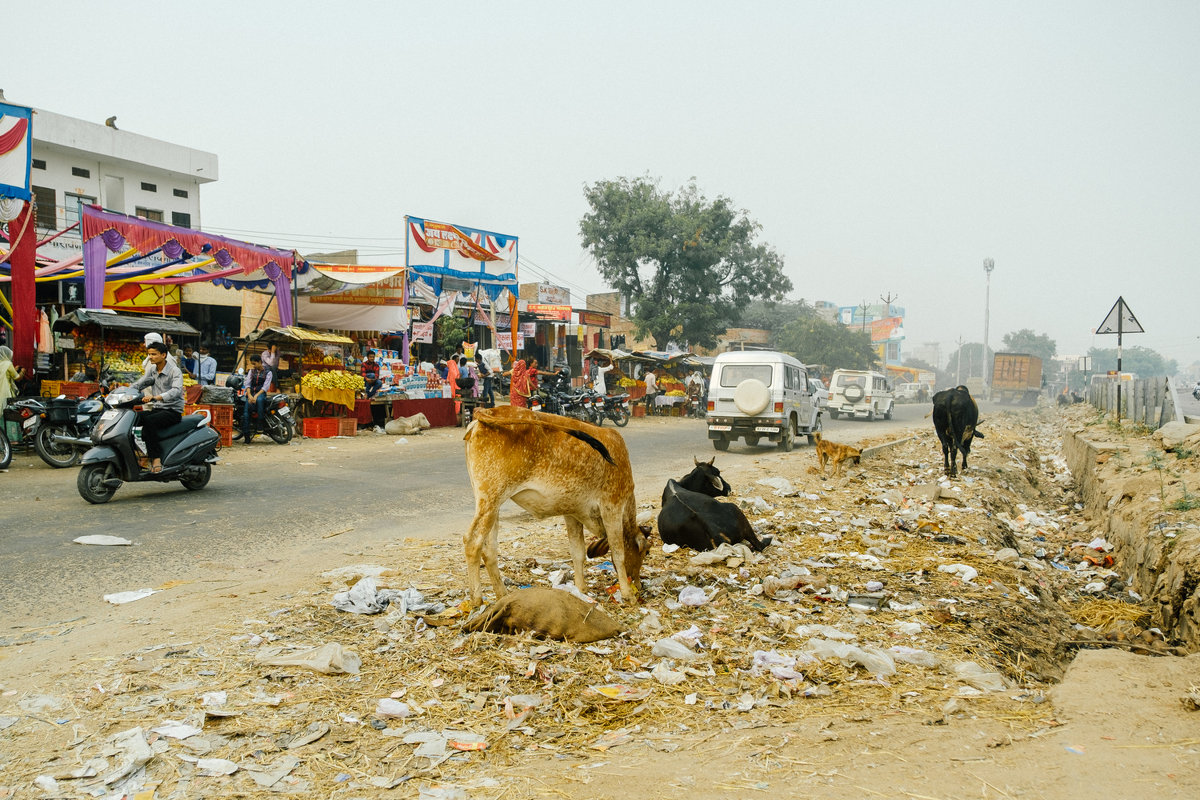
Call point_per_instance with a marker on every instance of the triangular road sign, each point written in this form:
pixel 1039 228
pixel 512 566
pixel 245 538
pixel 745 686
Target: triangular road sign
pixel 1120 314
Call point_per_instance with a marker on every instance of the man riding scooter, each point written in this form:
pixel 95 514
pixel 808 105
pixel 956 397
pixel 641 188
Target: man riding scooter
pixel 162 385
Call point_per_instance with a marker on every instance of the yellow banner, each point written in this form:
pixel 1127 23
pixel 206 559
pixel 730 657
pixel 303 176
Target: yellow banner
pixel 144 298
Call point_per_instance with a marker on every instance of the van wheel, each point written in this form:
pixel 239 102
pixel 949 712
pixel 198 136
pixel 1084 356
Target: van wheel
pixel 833 414
pixel 752 441
pixel 871 415
pixel 788 440
pixel 721 444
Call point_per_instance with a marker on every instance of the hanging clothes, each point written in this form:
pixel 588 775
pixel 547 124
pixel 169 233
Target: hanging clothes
pixel 45 342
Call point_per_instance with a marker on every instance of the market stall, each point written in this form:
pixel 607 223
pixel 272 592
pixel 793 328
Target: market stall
pixel 317 360
pixel 115 342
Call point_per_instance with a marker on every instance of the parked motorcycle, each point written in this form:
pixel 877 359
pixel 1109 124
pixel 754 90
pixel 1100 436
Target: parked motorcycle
pixel 1196 392
pixel 27 413
pixel 616 408
pixel 65 431
pixel 189 451
pixel 278 423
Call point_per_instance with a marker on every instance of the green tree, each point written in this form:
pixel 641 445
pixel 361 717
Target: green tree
pixel 689 265
pixel 451 331
pixel 1145 362
pixel 834 346
pixel 1035 344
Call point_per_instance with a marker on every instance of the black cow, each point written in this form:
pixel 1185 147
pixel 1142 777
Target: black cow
pixel 955 418
pixel 695 520
pixel 705 479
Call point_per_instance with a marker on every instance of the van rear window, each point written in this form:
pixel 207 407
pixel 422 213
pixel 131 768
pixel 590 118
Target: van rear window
pixel 733 374
pixel 851 380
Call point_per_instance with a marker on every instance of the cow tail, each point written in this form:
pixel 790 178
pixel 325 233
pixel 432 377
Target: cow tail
pixel 593 441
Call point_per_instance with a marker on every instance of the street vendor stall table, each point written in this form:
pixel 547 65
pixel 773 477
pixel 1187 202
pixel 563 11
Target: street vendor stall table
pixel 438 410
pixel 340 397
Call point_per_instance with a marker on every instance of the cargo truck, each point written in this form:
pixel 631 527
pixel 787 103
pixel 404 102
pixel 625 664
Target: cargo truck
pixel 1016 378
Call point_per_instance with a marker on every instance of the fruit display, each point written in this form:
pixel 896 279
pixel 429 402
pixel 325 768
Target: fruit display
pixel 332 379
pixel 314 356
pixel 120 363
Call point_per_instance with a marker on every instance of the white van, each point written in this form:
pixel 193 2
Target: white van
pixel 860 393
pixel 760 394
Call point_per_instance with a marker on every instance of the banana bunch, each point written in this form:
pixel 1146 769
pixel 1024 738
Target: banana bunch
pixel 332 379
pixel 121 364
pixel 676 393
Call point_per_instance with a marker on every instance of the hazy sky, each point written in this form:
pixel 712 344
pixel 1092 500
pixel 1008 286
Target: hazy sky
pixel 884 147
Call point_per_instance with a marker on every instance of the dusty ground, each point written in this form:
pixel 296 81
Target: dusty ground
pixel 796 723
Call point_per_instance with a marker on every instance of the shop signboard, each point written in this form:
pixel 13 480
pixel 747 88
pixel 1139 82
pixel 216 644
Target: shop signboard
pixel 596 319
pixel 504 341
pixel 438 250
pixel 886 328
pixel 528 329
pixel 16 142
pixel 549 294
pixel 143 298
pixel 548 311
pixel 423 332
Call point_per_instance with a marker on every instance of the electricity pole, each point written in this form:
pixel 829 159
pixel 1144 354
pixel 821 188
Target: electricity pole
pixel 863 307
pixel 988 266
pixel 958 363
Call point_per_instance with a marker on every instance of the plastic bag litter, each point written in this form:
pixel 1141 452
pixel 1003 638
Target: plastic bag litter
pixel 828 631
pixel 872 659
pixel 99 538
pixel 132 752
pixel 779 665
pixel 972 674
pixel 912 655
pixel 673 648
pixel 175 729
pixel 667 676
pixel 689 636
pixel 756 504
pixel 725 552
pixel 387 708
pixel 782 486
pixel 366 598
pixel 692 596
pixel 331 659
pixel 128 597
pixel 1006 554
pixel 966 573
pixel 909 628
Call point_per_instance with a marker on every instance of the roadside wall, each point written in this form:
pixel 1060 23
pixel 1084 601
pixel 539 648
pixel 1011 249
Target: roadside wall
pixel 1149 401
pixel 1157 549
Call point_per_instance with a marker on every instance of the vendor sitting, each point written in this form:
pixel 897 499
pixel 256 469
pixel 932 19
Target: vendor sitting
pixel 258 383
pixel 370 375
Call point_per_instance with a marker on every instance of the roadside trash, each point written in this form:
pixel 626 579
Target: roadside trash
pixel 1007 554
pixel 667 676
pixel 874 586
pixel 692 596
pixel 673 648
pixel 443 792
pixel 267 775
pixel 782 486
pixel 620 691
pixel 911 655
pixel 965 573
pixel 387 708
pixel 175 729
pixel 733 555
pixel 612 739
pixel 826 631
pixel 132 751
pixel 974 675
pixel 909 628
pixel 866 602
pixel 547 612
pixel 872 659
pixel 211 767
pixel 120 598
pixel 756 504
pixel 780 666
pixel 366 598
pixel 99 538
pixel 331 659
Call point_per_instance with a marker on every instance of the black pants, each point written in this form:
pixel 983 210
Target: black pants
pixel 153 421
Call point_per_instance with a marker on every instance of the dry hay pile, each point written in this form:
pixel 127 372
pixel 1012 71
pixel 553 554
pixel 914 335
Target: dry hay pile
pixel 762 648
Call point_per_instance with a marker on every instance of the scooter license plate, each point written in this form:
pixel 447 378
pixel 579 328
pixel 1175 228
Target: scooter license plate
pixel 29 423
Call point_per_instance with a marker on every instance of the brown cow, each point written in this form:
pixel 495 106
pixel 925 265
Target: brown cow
pixel 550 466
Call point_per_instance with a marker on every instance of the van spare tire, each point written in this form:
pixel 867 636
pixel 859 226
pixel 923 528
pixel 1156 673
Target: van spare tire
pixel 854 392
pixel 751 397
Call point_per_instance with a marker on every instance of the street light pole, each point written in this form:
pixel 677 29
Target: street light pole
pixel 988 266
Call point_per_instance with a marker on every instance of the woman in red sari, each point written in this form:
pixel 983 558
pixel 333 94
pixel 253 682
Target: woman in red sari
pixel 519 390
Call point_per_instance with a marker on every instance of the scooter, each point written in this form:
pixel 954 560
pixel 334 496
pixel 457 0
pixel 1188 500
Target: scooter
pixel 278 424
pixel 1196 392
pixel 189 451
pixel 65 432
pixel 28 413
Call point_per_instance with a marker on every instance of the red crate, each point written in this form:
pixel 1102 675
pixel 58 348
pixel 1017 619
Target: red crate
pixel 226 437
pixel 320 427
pixel 347 426
pixel 222 414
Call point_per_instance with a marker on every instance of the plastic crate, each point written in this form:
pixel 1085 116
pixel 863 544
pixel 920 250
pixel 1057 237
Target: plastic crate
pixel 78 389
pixel 226 437
pixel 347 426
pixel 52 388
pixel 320 427
pixel 638 410
pixel 222 414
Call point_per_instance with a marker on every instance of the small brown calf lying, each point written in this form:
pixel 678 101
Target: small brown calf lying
pixel 837 453
pixel 551 613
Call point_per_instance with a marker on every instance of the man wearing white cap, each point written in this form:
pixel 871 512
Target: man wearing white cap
pixel 147 339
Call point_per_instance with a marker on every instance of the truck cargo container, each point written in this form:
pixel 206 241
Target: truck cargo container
pixel 1016 378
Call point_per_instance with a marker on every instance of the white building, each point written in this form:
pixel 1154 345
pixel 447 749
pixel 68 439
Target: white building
pixel 76 161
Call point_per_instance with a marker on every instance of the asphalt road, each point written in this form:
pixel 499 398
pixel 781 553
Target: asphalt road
pixel 310 502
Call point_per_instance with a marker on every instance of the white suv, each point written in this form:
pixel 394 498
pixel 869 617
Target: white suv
pixel 860 394
pixel 760 394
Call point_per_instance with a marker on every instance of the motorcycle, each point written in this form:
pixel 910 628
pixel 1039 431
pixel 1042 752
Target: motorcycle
pixel 5 450
pixel 65 431
pixel 1196 392
pixel 278 423
pixel 27 413
pixel 616 408
pixel 189 451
